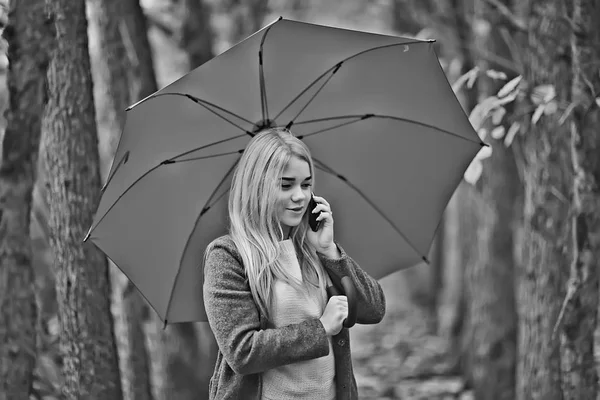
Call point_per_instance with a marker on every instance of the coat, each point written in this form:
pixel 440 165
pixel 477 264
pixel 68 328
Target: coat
pixel 247 347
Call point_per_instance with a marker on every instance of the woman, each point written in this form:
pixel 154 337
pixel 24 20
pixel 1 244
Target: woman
pixel 278 334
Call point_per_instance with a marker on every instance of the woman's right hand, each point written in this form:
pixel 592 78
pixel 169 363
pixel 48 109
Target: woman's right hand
pixel 335 313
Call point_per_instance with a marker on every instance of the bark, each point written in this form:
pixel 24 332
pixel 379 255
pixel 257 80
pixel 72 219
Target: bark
pixel 168 362
pixel 139 53
pixel 176 359
pixel 69 153
pixel 28 60
pixel 436 279
pixel 247 17
pixel 458 326
pixel 113 74
pixel 136 385
pixel 548 186
pixel 490 279
pixel 580 380
pixel 196 33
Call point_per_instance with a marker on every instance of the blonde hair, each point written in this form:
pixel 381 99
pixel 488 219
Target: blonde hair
pixel 254 225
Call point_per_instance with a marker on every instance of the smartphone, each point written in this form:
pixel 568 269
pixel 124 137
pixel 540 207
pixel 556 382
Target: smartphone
pixel 312 217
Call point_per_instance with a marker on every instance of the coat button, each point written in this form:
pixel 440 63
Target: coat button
pixel 341 342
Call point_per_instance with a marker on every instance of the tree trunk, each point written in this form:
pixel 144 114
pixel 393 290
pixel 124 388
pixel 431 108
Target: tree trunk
pixel 548 186
pixel 247 17
pixel 490 279
pixel 196 32
pixel 69 152
pixel 28 60
pixel 113 73
pixel 173 353
pixel 139 53
pixel 580 380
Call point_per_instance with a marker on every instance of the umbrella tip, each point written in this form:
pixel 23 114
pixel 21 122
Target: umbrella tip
pixel 165 325
pixel 484 144
pixel 87 236
pixel 431 40
pixel 280 18
pixel 426 260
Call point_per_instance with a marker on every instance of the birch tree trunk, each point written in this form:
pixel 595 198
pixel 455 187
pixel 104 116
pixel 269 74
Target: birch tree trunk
pixel 69 153
pixel 28 59
pixel 580 380
pixel 548 187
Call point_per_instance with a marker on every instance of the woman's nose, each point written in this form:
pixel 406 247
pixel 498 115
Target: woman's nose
pixel 298 195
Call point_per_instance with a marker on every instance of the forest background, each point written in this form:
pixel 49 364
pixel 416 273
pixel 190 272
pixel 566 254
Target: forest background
pixel 508 307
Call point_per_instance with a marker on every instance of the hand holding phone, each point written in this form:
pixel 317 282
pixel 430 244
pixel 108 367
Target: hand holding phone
pixel 312 217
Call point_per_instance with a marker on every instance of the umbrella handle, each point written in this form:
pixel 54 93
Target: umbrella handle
pixel 350 292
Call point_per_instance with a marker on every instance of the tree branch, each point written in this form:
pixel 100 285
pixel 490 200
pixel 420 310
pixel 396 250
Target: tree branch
pixel 514 21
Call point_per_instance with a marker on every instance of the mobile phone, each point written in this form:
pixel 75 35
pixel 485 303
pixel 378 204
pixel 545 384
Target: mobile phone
pixel 312 217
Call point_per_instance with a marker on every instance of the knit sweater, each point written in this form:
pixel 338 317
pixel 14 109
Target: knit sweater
pixel 310 379
pixel 248 348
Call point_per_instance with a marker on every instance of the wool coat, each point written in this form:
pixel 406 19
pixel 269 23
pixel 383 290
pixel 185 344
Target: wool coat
pixel 247 347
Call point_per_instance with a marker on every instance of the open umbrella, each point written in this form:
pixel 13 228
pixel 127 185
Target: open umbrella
pixel 389 139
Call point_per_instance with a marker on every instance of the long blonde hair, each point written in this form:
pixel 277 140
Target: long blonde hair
pixel 254 225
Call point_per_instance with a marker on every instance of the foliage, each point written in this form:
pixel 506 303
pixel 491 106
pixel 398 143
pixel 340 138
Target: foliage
pixel 490 116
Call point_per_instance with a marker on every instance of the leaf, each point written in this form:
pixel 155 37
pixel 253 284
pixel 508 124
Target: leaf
pixel 482 133
pixel 473 172
pixel 537 114
pixel 472 77
pixel 498 132
pixel 510 86
pixel 543 94
pixel 481 111
pixel 467 76
pixel 484 152
pixel 550 108
pixel 498 115
pixel 510 135
pixel 496 75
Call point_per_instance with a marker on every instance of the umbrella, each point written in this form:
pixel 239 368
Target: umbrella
pixel 389 138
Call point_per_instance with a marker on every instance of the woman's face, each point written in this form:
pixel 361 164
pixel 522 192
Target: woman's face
pixel 294 194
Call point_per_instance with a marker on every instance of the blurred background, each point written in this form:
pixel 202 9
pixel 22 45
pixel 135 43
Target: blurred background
pixel 508 303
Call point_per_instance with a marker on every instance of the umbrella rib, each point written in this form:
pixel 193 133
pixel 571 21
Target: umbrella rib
pixel 187 243
pixel 330 171
pixel 206 104
pixel 166 162
pixel 367 116
pixel 336 67
pixel 264 106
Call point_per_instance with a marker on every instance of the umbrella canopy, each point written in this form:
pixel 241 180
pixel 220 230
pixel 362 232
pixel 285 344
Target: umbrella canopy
pixel 389 139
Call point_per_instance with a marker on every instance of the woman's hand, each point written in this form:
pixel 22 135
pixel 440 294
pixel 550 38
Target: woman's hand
pixel 334 315
pixel 322 239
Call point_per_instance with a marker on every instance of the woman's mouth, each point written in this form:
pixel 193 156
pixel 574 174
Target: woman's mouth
pixel 296 209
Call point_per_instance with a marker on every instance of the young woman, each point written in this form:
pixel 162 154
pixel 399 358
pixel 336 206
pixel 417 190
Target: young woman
pixel 279 335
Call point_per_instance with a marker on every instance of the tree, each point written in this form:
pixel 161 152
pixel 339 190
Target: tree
pixel 579 319
pixel 196 33
pixel 28 59
pixel 69 153
pixel 490 277
pixel 112 71
pixel 548 186
pixel 139 53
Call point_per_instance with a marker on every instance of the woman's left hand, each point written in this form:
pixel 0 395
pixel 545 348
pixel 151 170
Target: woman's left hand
pixel 322 239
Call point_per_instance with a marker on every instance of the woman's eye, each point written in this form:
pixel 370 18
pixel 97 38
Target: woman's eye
pixel 286 186
pixel 307 185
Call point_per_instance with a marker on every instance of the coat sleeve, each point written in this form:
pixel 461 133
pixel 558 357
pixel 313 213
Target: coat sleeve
pixel 235 322
pixel 370 307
